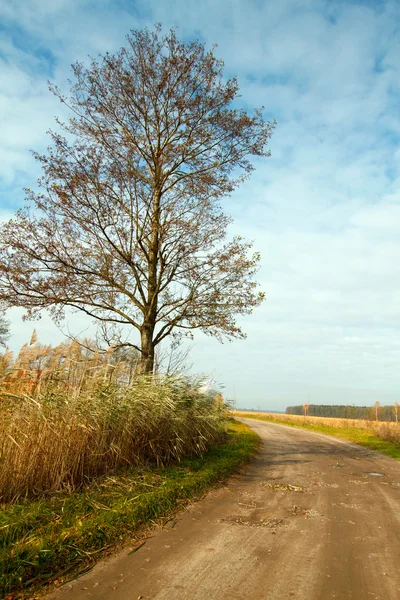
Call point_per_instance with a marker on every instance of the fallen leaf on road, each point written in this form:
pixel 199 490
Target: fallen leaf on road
pixel 287 487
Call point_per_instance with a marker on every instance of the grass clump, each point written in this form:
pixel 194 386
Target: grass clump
pixel 381 437
pixel 50 538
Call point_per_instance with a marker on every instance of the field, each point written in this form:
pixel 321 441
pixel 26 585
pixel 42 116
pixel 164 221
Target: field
pixel 383 437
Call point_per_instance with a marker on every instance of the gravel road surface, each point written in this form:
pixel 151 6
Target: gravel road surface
pixel 312 518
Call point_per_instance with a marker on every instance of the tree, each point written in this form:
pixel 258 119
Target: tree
pixel 396 411
pixel 4 330
pixel 377 410
pixel 126 224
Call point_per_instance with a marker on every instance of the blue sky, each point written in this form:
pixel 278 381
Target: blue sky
pixel 324 210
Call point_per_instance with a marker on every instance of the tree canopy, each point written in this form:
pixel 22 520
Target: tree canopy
pixel 341 411
pixel 127 225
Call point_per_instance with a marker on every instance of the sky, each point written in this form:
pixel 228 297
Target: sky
pixel 323 210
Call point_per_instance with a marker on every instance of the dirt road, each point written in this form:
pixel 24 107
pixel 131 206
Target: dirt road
pixel 311 518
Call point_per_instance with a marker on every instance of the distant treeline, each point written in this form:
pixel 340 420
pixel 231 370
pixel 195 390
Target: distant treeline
pixel 382 413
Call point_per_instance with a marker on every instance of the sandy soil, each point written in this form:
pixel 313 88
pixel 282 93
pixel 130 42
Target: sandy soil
pixel 311 518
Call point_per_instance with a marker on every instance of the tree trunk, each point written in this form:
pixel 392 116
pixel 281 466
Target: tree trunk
pixel 146 364
pixel 149 323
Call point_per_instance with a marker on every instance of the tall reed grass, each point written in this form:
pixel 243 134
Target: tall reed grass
pixel 71 427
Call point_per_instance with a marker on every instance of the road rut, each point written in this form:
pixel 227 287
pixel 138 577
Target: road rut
pixel 311 518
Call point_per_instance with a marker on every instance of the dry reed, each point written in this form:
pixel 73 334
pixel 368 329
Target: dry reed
pixel 87 421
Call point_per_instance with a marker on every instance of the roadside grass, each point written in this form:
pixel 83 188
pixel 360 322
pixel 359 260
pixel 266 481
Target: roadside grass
pixel 362 433
pixel 57 537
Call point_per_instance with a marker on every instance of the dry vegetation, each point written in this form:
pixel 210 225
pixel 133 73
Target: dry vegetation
pixel 389 431
pixel 72 413
pixel 57 537
pixel 91 453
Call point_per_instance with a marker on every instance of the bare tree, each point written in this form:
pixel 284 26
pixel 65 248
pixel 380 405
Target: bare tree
pixel 396 411
pixel 127 225
pixel 4 329
pixel 174 359
pixel 377 410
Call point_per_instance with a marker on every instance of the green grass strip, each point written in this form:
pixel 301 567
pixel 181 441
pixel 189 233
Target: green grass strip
pixel 51 538
pixel 362 437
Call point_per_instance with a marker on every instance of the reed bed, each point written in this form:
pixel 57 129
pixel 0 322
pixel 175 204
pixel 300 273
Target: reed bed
pixel 76 423
pixel 57 537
